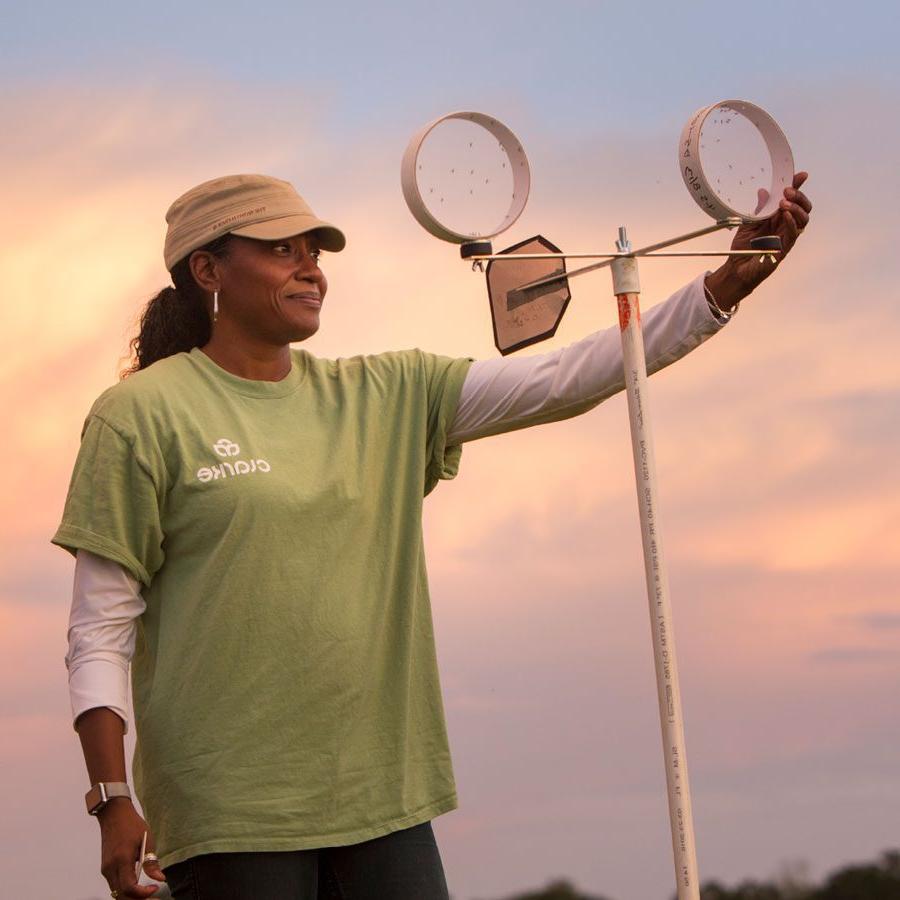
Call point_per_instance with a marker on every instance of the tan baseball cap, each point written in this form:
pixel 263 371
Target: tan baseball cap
pixel 253 206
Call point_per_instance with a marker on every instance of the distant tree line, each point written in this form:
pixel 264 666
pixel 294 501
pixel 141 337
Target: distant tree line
pixel 868 881
pixel 879 880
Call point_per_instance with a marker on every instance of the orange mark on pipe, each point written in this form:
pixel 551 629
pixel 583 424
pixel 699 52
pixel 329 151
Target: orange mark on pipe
pixel 624 302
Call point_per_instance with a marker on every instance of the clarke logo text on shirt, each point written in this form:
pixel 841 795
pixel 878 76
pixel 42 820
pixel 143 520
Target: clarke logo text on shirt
pixel 226 447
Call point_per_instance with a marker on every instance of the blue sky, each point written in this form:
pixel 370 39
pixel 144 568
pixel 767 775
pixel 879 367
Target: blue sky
pixel 578 65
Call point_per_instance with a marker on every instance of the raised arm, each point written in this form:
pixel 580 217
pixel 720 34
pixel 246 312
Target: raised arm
pixel 506 394
pixel 509 393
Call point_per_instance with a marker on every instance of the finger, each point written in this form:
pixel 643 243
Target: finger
pixel 791 228
pixel 128 885
pixel 151 866
pixel 762 197
pixel 799 198
pixel 152 870
pixel 140 891
pixel 799 178
pixel 800 215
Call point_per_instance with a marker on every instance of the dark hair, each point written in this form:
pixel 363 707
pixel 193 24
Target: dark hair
pixel 177 318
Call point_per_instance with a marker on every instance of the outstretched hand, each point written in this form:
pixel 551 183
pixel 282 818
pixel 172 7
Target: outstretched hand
pixel 737 277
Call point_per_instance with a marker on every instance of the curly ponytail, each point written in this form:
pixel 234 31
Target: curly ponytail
pixel 177 319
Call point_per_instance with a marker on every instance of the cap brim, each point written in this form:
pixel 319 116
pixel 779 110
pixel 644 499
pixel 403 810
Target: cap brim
pixel 330 238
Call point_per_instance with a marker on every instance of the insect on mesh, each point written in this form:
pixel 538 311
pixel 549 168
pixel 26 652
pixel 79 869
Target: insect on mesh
pixel 737 162
pixel 465 177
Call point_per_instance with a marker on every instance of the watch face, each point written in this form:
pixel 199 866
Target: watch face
pixel 95 799
pixel 101 793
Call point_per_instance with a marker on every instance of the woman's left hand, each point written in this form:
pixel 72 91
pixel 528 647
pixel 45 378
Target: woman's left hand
pixel 739 275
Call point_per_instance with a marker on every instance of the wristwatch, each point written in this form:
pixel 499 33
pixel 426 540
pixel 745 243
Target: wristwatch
pixel 101 793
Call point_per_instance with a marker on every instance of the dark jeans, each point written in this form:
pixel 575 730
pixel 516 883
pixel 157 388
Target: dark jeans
pixel 403 865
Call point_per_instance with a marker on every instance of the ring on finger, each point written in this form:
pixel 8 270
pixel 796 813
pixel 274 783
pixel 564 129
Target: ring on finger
pixel 150 857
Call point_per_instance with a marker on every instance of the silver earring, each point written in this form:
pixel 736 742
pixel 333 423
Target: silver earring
pixel 215 305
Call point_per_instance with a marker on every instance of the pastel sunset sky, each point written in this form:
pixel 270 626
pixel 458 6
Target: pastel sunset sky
pixel 777 441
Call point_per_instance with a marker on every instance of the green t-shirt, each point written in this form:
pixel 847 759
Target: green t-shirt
pixel 285 682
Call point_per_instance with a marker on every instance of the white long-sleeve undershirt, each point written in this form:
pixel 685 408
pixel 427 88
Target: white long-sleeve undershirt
pixel 498 395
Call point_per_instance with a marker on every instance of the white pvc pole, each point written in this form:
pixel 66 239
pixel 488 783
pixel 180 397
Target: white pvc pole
pixel 627 288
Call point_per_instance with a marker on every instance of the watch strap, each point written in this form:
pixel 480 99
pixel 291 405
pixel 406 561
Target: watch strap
pixel 101 793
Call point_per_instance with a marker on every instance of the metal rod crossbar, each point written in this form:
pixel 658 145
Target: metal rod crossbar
pixel 611 256
pixel 608 259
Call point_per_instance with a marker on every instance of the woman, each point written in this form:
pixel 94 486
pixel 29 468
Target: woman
pixel 246 520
